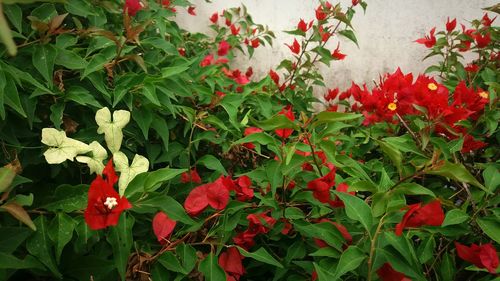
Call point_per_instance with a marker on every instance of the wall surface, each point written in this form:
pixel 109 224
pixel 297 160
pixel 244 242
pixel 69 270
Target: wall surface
pixel 385 33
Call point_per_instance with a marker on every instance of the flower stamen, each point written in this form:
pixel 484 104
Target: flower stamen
pixel 110 202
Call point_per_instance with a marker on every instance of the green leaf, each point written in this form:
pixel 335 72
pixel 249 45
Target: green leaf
pixel 70 59
pixel 326 117
pixel 11 97
pixel 39 246
pixel 411 188
pixel 491 177
pixel 349 261
pixel 212 163
pixel 456 172
pixel 356 209
pixel 490 226
pixel 6 35
pixel 112 129
pixel 96 63
pixel 68 198
pixel 349 34
pixel 79 7
pixel 81 96
pixel 120 238
pixel 173 70
pixel 261 255
pixel 61 148
pixel 127 173
pixel 187 256
pixel 12 237
pixel 7 175
pixel 323 274
pixel 44 57
pixel 393 153
pixel 8 261
pixel 455 216
pixel 278 121
pixel 143 117
pixel 157 178
pixel 294 213
pixel 211 269
pixel 61 232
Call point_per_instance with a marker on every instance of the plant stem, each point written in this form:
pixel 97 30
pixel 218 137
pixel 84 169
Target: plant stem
pixel 373 246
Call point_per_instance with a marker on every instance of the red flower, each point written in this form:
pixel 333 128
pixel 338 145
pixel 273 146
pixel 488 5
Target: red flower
pixel 355 2
pixel 275 77
pixel 230 261
pixel 288 112
pixel 428 41
pixel 486 21
pixel 325 35
pixel 295 47
pixel 249 72
pixel 182 51
pixel 471 67
pixel 303 26
pixel 104 204
pixel 484 256
pixel 418 215
pixel 214 18
pixel 207 60
pixel 191 10
pixel 387 273
pixel 214 194
pixel 234 30
pixel 257 224
pixel 332 94
pixel 248 131
pixel 223 48
pixel 163 226
pixel 321 186
pixel 450 25
pixel 337 54
pixel 132 7
pixel 255 43
pixel 191 176
pixel 482 41
pixel 320 13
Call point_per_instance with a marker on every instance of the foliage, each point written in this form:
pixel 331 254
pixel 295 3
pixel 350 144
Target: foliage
pixel 134 150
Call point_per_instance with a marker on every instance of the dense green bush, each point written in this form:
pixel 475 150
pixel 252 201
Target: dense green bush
pixel 134 150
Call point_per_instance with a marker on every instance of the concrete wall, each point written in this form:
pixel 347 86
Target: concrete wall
pixel 385 33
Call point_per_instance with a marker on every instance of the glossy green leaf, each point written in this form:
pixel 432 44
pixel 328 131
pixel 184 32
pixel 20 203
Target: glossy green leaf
pixel 40 246
pixel 44 57
pixel 456 172
pixel 61 232
pixel 211 269
pixel 212 163
pixel 455 216
pixel 120 238
pixel 490 226
pixel 350 260
pixel 261 255
pixel 357 209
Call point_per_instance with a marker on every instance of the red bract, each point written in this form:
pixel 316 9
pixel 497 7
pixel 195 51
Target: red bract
pixel 230 261
pixel 234 30
pixel 248 131
pixel 303 26
pixel 295 47
pixel 257 224
pixel 387 273
pixel 288 112
pixel 482 40
pixel 223 48
pixel 428 41
pixel 163 226
pixel 191 176
pixel 132 7
pixel 486 21
pixel 450 25
pixel 255 43
pixel 214 18
pixel 355 2
pixel 332 94
pixel 431 214
pixel 320 13
pixel 214 194
pixel 484 256
pixel 207 60
pixel 325 35
pixel 191 10
pixel 337 54
pixel 104 205
pixel 275 77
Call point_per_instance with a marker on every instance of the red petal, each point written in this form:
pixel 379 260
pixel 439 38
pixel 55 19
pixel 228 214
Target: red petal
pixel 109 173
pixel 197 200
pixel 163 226
pixel 217 194
pixel 230 261
pixel 387 273
pixel 489 257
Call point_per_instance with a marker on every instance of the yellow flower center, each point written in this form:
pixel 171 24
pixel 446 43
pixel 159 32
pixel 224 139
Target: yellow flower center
pixel 392 106
pixel 484 94
pixel 432 86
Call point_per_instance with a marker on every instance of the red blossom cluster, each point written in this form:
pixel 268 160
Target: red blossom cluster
pixel 217 194
pixel 419 215
pixel 230 261
pixel 398 96
pixel 287 111
pixel 480 36
pixel 104 205
pixel 259 223
pixel 483 256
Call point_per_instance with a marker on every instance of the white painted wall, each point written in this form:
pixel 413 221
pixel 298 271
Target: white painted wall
pixel 385 33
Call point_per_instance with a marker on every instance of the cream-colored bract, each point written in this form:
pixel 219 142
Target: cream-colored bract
pixel 94 161
pixel 112 129
pixel 61 148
